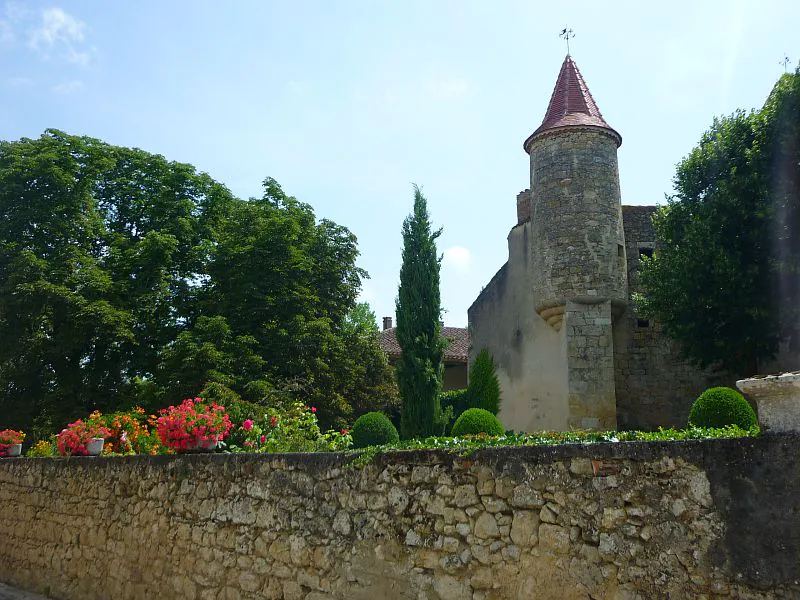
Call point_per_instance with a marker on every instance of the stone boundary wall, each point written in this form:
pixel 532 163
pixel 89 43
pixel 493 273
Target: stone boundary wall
pixel 621 521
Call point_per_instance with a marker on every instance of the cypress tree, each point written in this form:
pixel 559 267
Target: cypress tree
pixel 484 388
pixel 419 370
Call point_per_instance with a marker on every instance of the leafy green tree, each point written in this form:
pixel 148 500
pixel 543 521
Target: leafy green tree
pixel 419 370
pixel 724 278
pixel 207 353
pixel 483 390
pixel 362 366
pixel 126 278
pixel 277 274
pixel 59 326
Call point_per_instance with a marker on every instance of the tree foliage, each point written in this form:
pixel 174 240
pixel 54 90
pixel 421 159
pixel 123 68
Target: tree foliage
pixel 724 281
pixel 484 388
pixel 418 306
pixel 126 278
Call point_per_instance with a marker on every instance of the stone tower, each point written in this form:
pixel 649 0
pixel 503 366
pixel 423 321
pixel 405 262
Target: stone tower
pixel 577 241
pixel 578 245
pixel 548 314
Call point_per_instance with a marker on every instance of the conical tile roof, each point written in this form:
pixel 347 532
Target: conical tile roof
pixel 571 105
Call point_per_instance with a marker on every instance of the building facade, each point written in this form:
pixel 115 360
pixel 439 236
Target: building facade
pixel 456 353
pixel 570 351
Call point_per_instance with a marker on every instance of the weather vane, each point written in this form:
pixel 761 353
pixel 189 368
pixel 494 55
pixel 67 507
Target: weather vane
pixel 566 33
pixel 785 63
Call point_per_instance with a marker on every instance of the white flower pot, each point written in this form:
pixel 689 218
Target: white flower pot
pixel 95 446
pixel 14 450
pixel 206 444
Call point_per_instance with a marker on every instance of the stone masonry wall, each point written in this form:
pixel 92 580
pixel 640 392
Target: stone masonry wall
pixel 590 364
pixel 655 386
pixel 619 521
pixel 576 223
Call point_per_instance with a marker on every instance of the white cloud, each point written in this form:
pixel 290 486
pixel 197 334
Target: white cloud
pixel 19 82
pixel 458 258
pixel 16 11
pixel 68 87
pixel 6 33
pixel 367 293
pixel 296 87
pixel 449 89
pixel 60 32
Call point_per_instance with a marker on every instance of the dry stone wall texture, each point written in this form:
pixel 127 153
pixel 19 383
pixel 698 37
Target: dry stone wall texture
pixel 621 521
pixel 576 221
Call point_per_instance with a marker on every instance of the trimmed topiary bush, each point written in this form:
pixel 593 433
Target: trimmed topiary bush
pixel 721 406
pixel 373 429
pixel 475 421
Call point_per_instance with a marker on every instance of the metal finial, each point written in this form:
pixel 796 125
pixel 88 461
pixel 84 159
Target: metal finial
pixel 785 63
pixel 566 33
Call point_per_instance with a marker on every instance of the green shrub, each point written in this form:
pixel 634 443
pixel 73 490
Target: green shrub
pixel 484 388
pixel 475 421
pixel 373 429
pixel 721 406
pixel 453 404
pixel 43 448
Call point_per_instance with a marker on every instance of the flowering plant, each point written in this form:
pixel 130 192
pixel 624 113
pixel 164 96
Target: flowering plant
pixel 192 424
pixel 43 448
pixel 8 438
pixel 131 432
pixel 295 429
pixel 72 441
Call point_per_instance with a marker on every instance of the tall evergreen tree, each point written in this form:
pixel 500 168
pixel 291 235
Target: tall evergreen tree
pixel 484 387
pixel 419 370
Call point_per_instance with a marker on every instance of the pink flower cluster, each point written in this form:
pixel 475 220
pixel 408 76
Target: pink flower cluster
pixel 193 424
pixel 72 441
pixel 8 438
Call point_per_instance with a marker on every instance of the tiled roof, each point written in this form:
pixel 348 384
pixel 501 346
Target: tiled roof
pixel 457 349
pixel 571 105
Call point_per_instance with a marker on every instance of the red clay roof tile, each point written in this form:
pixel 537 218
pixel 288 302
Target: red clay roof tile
pixel 571 104
pixel 457 349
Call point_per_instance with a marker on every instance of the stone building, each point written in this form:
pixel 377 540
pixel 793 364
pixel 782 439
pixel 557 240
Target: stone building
pixel 570 351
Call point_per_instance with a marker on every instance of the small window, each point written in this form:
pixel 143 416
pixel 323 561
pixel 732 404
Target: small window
pixel 642 323
pixel 648 252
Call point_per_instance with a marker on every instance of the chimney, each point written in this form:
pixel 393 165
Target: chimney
pixel 523 207
pixel 387 323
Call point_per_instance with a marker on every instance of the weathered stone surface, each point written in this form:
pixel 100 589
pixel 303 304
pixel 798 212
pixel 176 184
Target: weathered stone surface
pixel 525 528
pixel 715 518
pixel 486 526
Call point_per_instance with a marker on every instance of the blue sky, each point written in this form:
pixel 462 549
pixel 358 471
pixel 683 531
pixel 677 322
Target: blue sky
pixel 347 103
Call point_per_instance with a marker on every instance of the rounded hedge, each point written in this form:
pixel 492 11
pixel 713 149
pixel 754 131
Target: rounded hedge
pixel 373 429
pixel 475 421
pixel 721 406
